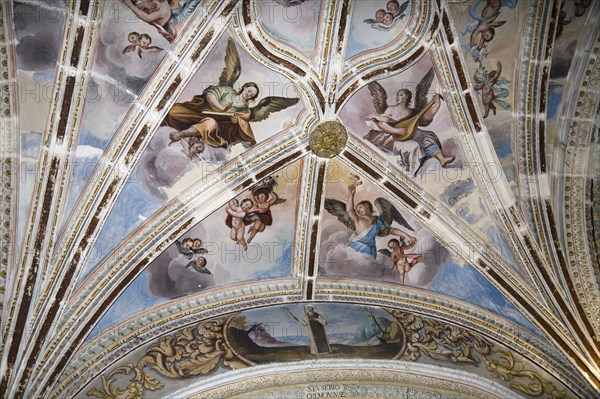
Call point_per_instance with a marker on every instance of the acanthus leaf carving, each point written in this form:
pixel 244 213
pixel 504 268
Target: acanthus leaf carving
pixel 195 351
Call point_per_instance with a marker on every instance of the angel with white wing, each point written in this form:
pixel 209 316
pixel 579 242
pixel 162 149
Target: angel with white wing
pixel 220 117
pixel 399 122
pixel 365 225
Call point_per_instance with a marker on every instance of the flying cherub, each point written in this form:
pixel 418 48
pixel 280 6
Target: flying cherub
pixel 385 18
pixel 365 224
pixel 487 24
pixel 258 209
pixel 486 83
pixel 163 14
pixel 235 221
pixel 400 262
pixel 192 148
pixel 190 247
pixel 199 265
pixel 221 115
pixel 140 43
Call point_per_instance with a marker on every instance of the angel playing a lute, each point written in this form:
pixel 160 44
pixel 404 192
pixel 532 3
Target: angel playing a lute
pixel 399 122
pixel 221 115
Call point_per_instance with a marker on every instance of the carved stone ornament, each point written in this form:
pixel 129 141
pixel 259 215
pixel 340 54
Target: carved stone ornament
pixel 328 139
pixel 198 351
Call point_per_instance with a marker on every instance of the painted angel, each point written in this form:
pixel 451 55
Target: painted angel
pixel 258 209
pixel 199 265
pixel 399 122
pixel 140 43
pixel 163 14
pixel 487 83
pixel 482 31
pixel 400 261
pixel 367 226
pixel 220 117
pixel 386 18
pixel 190 247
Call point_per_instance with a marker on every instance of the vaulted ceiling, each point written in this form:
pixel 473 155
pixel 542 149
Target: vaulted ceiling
pixel 403 202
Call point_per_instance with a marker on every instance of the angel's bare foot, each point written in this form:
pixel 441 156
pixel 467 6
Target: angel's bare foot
pixel 252 232
pixel 414 262
pixel 447 161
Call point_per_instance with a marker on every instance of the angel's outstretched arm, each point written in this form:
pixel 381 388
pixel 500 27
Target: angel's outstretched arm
pixel 273 197
pixel 408 239
pixel 350 203
pixel 493 80
pixel 430 114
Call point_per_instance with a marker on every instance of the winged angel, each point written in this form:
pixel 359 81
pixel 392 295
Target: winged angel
pixel 140 43
pixel 365 225
pixel 221 115
pixel 399 123
pixel 163 14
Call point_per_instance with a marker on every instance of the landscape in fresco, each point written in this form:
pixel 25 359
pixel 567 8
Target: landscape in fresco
pixel 315 331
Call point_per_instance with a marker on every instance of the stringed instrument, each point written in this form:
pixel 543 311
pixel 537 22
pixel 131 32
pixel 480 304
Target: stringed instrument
pixel 411 124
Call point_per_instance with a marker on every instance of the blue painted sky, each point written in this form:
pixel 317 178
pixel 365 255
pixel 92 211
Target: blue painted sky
pixel 467 284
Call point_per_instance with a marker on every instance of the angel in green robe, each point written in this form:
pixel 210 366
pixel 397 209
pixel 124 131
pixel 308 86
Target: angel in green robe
pixel 221 115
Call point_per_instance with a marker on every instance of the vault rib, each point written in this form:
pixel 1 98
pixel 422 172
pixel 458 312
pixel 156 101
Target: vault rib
pixel 54 292
pixel 56 153
pixel 549 287
pixel 531 121
pixel 572 160
pixel 9 161
pixel 124 264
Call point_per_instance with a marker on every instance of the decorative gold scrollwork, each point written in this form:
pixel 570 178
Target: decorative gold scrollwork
pixel 502 365
pixel 440 341
pixel 199 350
pixel 187 353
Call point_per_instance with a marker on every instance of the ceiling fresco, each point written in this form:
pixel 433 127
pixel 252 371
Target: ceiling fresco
pixel 300 198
